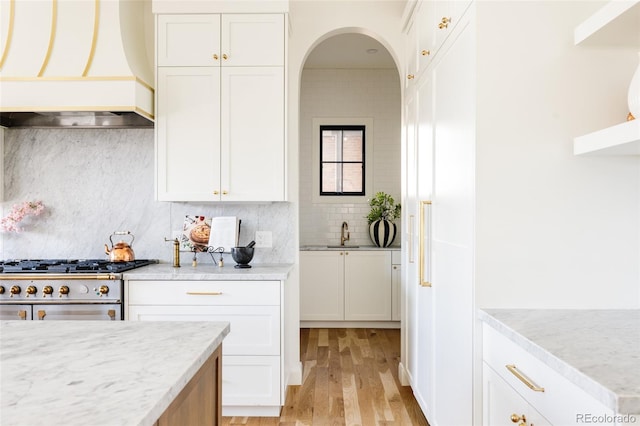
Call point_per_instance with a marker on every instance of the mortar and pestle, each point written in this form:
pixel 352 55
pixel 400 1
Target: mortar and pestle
pixel 243 255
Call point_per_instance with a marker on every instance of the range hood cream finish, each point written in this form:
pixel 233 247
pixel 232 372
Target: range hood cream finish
pixel 79 63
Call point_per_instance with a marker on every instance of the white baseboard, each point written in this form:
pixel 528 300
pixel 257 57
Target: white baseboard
pixel 294 377
pixel 249 411
pixel 403 376
pixel 349 324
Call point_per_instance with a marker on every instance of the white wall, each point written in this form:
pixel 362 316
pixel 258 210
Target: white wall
pixel 348 93
pixel 554 230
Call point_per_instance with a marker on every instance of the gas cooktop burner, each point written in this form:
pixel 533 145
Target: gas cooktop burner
pixel 69 266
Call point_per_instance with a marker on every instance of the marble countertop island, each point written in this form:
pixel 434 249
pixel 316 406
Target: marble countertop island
pixel 210 272
pixel 98 372
pixel 597 350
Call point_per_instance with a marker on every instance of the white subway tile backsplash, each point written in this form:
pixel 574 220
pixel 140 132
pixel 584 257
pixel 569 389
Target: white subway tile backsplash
pixel 349 93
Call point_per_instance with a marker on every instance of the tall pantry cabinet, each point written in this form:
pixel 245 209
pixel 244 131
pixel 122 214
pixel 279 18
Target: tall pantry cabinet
pixel 220 107
pixel 491 99
pixel 439 168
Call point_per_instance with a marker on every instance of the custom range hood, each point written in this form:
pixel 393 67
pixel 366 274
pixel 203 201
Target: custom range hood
pixel 76 63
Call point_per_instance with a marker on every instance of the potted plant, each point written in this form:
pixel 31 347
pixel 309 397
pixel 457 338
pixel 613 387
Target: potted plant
pixel 384 211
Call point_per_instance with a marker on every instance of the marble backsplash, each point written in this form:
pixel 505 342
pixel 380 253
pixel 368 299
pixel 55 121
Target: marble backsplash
pixel 95 182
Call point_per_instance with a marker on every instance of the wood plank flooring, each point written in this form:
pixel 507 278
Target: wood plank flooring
pixel 350 377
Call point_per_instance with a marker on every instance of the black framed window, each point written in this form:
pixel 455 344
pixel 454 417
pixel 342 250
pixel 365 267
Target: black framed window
pixel 342 160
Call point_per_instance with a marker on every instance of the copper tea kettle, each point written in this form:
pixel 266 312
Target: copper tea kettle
pixel 121 251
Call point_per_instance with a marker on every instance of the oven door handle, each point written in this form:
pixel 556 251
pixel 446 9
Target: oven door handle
pixel 49 277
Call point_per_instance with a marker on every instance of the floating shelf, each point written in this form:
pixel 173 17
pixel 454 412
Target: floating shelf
pixel 621 139
pixel 615 24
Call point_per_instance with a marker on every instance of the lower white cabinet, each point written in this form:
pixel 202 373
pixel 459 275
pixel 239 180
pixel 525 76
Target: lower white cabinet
pixel 252 362
pixel 396 273
pixel 503 406
pixel 346 285
pixel 517 383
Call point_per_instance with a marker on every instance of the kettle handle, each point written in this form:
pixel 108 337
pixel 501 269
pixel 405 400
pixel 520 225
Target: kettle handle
pixel 122 233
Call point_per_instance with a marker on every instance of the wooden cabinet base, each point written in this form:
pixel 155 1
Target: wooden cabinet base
pixel 200 402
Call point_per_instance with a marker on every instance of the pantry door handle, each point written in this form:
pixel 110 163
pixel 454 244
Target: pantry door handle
pixel 523 378
pixel 204 293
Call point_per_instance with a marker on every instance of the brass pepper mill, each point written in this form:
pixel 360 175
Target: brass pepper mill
pixel 176 252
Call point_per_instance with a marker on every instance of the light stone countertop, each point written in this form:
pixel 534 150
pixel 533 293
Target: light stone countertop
pixel 98 372
pixel 327 247
pixel 597 350
pixel 209 272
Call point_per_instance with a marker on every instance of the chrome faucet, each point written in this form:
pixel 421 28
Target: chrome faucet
pixel 345 227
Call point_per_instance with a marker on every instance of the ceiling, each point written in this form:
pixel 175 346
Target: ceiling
pixel 350 51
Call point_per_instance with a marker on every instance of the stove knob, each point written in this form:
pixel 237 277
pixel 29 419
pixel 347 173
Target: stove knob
pixel 15 289
pixel 1 289
pixel 47 289
pixel 31 290
pixel 103 289
pixel 63 290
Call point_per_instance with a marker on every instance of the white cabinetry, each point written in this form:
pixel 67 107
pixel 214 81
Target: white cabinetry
pixel 252 361
pixel 503 406
pixel 517 383
pixel 440 168
pixel 396 286
pixel 348 285
pixel 220 107
pixel 616 23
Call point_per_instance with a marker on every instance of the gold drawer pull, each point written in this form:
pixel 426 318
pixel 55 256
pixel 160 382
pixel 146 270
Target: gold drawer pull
pixel 204 293
pixel 523 378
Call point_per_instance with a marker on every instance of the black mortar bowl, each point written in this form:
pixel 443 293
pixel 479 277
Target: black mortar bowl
pixel 242 256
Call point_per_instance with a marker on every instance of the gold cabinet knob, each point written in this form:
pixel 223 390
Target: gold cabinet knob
pixel 411 76
pixel 425 52
pixel 103 289
pixel 63 289
pixel 225 192
pixel 521 420
pixel 47 289
pixel 216 192
pixel 444 23
pixel 31 290
pixel 215 56
pixel 15 289
pixel 224 56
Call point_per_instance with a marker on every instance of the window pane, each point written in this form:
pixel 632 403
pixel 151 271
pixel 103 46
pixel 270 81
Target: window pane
pixel 352 145
pixel 330 178
pixel 330 145
pixel 352 177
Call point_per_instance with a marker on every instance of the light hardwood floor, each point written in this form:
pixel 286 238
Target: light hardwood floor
pixel 350 377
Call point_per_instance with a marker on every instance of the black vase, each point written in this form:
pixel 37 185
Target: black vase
pixel 382 232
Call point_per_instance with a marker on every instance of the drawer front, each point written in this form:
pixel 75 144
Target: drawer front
pixel 250 380
pixel 561 402
pixel 254 330
pixel 502 404
pixel 194 293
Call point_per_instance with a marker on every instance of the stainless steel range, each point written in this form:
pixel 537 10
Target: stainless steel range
pixel 63 289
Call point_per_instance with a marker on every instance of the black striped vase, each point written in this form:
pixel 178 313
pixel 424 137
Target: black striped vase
pixel 382 232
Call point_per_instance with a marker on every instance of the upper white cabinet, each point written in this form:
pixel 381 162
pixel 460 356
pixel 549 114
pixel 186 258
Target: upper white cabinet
pixel 617 24
pixel 220 107
pixel 433 22
pixel 188 40
pixel 221 40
